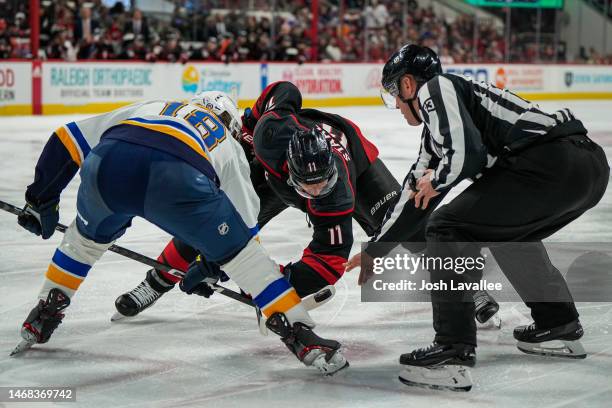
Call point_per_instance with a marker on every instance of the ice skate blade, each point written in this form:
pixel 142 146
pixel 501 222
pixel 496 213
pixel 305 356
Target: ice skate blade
pixel 494 323
pixel 336 371
pixel 441 378
pixel 554 348
pixel 335 364
pixel 118 316
pixel 21 347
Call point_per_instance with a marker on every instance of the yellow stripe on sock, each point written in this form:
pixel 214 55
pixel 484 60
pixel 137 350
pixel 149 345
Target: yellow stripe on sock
pixel 283 304
pixel 69 144
pixel 61 278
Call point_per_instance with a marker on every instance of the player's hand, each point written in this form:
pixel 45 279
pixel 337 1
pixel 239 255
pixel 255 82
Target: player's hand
pixel 246 135
pixel 248 126
pixel 200 275
pixel 365 262
pixel 40 219
pixel 352 263
pixel 425 191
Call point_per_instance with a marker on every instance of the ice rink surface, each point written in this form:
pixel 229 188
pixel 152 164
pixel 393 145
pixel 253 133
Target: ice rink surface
pixel 189 351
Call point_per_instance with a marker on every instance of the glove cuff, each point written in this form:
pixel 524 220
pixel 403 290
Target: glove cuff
pixel 39 204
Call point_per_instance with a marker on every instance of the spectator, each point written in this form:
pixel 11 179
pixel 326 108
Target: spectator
pixel 84 26
pixel 333 51
pixel 219 25
pixel 5 41
pixel 211 53
pixel 376 15
pixel 138 26
pixel 200 30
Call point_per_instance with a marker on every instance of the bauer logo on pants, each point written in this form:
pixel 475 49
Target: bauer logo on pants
pixel 223 228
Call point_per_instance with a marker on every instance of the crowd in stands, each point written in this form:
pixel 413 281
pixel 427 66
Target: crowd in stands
pixel 602 5
pixel 251 30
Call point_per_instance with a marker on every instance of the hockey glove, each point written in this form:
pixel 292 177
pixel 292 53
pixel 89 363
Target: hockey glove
pixel 248 123
pixel 200 275
pixel 40 219
pixel 246 135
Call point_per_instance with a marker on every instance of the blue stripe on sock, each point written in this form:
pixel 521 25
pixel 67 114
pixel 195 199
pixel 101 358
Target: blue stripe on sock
pixel 271 292
pixel 68 264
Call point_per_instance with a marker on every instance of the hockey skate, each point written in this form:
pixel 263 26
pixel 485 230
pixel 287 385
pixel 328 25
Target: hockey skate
pixel 312 350
pixel 43 320
pixel 561 341
pixel 142 296
pixel 486 311
pixel 439 367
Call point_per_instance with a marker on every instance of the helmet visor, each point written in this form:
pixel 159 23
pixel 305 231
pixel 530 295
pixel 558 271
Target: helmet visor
pixel 388 98
pixel 306 192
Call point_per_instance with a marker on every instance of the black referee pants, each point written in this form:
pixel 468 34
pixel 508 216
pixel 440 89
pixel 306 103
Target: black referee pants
pixel 523 198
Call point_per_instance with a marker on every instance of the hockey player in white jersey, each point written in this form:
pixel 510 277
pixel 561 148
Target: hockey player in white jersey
pixel 167 162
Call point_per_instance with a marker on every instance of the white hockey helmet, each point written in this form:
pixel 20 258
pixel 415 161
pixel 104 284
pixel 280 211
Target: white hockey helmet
pixel 222 105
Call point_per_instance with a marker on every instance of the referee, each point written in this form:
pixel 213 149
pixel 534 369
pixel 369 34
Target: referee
pixel 533 172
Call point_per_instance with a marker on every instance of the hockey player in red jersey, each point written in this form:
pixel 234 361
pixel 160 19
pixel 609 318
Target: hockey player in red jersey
pixel 362 189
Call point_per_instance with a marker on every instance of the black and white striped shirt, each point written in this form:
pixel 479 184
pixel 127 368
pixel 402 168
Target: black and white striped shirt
pixel 468 125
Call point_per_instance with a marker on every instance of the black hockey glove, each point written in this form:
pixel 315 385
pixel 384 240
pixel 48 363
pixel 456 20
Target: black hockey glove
pixel 200 274
pixel 40 219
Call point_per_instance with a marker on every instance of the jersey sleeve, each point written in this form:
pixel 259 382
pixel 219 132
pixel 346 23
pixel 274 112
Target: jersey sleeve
pixel 66 150
pixel 427 158
pixel 463 154
pixel 56 166
pixel 281 95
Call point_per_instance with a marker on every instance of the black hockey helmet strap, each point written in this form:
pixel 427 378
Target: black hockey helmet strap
pixel 408 101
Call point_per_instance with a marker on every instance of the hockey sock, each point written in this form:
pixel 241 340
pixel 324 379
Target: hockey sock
pixel 71 262
pixel 171 256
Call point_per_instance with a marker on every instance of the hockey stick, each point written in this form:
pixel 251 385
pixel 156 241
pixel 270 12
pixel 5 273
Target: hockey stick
pixel 143 259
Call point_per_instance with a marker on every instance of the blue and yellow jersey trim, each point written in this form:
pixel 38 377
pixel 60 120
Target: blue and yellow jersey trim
pixel 173 129
pixel 73 140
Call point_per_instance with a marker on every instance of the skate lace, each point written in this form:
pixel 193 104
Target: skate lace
pixel 144 294
pixel 425 350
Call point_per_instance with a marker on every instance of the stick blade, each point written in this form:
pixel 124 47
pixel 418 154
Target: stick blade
pixel 319 298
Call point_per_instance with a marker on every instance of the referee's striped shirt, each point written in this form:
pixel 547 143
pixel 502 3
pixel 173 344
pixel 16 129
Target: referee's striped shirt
pixel 468 125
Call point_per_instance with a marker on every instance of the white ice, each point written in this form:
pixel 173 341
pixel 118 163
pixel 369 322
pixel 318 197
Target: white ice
pixel 190 351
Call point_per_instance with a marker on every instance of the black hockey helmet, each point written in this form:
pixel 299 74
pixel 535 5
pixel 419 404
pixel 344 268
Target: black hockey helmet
pixel 310 161
pixel 421 62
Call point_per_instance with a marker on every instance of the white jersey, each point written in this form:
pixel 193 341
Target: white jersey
pixel 183 129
